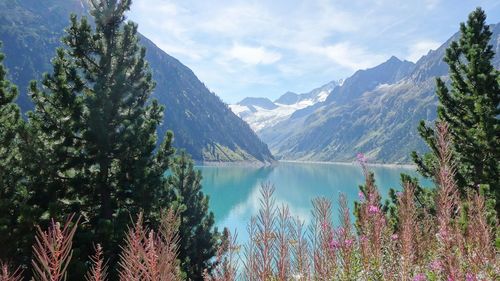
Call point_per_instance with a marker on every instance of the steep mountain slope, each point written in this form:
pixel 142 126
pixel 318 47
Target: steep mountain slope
pixel 376 111
pixel 261 113
pixel 202 123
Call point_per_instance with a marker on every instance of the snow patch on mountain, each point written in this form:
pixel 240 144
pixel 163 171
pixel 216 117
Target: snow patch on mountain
pixel 259 117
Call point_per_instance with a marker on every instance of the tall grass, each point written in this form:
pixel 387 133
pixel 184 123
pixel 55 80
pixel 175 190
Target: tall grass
pixel 226 260
pixel 282 247
pixel 146 255
pixel 6 274
pixel 149 255
pixel 99 269
pixel 52 251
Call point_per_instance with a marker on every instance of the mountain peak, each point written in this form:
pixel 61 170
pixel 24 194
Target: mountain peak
pixel 364 80
pixel 394 59
pixel 288 98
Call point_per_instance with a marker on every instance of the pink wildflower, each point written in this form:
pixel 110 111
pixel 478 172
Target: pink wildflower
pixel 361 196
pixel 394 236
pixel 363 238
pixel 341 231
pixel 361 158
pixel 348 242
pixel 469 277
pixel 325 226
pixel 334 244
pixel 436 265
pixel 371 197
pixel 420 277
pixel 443 235
pixel 382 220
pixel 373 209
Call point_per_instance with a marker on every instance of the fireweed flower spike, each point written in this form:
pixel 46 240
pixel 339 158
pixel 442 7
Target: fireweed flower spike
pixel 361 196
pixel 420 277
pixel 361 158
pixel 373 209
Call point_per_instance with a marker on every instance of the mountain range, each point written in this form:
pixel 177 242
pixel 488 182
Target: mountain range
pixel 202 124
pixel 375 111
pixel 261 113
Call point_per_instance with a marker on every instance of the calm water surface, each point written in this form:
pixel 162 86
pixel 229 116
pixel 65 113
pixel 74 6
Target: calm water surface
pixel 234 191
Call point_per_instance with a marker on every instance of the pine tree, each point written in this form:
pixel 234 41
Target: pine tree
pixel 471 108
pixel 198 243
pixel 91 144
pixel 9 123
pixel 12 194
pixel 9 112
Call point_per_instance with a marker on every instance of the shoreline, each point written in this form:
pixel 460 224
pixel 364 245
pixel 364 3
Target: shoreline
pixel 258 164
pixel 253 164
pixel 353 163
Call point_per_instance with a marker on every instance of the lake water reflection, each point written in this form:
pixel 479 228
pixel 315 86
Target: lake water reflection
pixel 235 191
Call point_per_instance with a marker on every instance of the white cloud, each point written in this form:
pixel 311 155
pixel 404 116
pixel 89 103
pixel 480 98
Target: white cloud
pixel 418 49
pixel 292 44
pixel 352 57
pixel 253 55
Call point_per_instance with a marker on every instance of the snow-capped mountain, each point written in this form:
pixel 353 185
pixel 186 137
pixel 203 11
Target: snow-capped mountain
pixel 376 111
pixel 261 113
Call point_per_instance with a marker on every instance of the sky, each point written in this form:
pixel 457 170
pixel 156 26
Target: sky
pixel 264 48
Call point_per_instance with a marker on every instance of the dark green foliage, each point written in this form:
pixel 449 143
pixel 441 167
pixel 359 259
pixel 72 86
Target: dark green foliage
pixel 89 146
pixel 198 238
pixel 470 105
pixel 424 201
pixel 363 194
pixel 9 124
pixel 12 194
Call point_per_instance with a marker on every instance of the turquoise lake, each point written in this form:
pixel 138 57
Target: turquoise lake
pixel 234 190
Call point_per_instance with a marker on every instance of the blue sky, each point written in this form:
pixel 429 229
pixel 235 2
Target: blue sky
pixel 267 47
